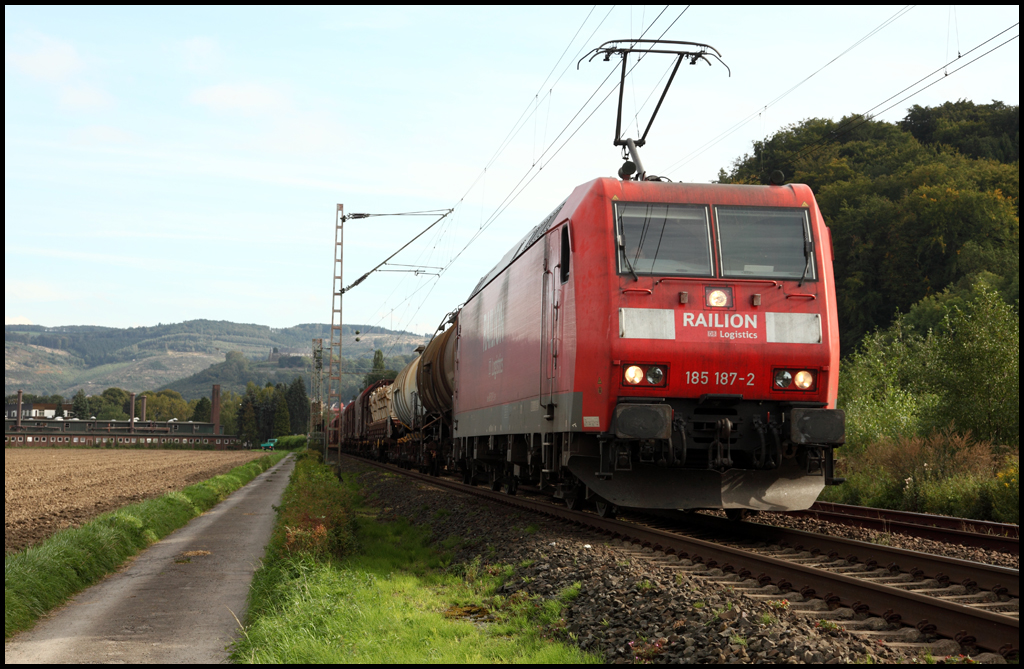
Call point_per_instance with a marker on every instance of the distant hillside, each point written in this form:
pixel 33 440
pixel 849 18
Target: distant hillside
pixel 236 371
pixel 64 359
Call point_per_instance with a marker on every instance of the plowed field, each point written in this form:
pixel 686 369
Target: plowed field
pixel 46 490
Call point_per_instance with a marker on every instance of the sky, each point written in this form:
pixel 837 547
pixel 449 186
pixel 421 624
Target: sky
pixel 168 164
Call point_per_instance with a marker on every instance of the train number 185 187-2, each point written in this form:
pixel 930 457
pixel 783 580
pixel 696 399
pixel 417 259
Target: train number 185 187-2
pixel 720 378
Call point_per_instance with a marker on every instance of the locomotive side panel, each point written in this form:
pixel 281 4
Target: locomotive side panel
pixel 498 358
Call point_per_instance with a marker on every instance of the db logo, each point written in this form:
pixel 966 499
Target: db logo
pixel 712 333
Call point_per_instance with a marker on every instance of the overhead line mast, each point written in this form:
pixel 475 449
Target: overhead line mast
pixel 334 353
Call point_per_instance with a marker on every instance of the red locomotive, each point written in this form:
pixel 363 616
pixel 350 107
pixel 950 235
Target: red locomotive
pixel 648 344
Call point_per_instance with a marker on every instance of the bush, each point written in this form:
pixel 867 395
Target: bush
pixel 976 369
pixel 291 442
pixel 901 383
pixel 965 496
pixel 944 473
pixel 1006 492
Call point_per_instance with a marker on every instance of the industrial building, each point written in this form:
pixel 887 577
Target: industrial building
pixel 23 431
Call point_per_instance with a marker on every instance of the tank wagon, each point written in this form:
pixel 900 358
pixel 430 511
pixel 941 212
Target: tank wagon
pixel 648 344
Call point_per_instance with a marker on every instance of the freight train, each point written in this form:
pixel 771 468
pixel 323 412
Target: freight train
pixel 648 344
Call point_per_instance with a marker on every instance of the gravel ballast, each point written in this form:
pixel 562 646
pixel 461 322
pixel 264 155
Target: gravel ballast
pixel 635 605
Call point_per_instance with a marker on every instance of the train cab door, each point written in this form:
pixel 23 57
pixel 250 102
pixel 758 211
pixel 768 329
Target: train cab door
pixel 551 319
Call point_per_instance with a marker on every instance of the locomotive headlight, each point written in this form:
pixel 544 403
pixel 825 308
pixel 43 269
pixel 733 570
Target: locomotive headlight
pixel 633 375
pixel 783 379
pixel 804 380
pixel 655 375
pixel 718 298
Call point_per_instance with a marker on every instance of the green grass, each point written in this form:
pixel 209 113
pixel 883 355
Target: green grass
pixel 40 578
pixel 395 598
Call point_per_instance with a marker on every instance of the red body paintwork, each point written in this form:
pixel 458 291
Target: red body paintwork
pixel 526 335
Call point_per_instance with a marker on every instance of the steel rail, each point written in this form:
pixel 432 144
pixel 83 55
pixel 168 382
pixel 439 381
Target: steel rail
pixel 1000 580
pixel 970 626
pixel 978 533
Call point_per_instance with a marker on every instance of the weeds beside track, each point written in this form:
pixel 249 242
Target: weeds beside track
pixel 339 585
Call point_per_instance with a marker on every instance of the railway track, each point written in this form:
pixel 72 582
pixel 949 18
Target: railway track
pixel 868 588
pixel 976 533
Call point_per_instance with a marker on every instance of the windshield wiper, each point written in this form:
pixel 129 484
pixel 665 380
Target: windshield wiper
pixel 808 254
pixel 625 257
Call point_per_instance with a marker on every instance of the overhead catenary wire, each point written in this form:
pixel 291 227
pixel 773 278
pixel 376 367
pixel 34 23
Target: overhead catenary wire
pixel 517 190
pixel 755 114
pixel 521 122
pixel 404 246
pixel 854 122
pixel 513 193
pixel 525 116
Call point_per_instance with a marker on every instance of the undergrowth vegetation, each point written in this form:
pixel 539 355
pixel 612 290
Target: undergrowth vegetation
pixel 339 586
pixel 933 419
pixel 40 578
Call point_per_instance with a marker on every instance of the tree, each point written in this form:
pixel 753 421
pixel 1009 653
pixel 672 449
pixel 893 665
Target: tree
pixel 298 406
pixel 282 421
pixel 163 405
pixel 247 430
pixel 230 403
pixel 202 412
pixel 379 371
pixel 115 396
pixel 977 369
pixel 80 405
pixel 913 208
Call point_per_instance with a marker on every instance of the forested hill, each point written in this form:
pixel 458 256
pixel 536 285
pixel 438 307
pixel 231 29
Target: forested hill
pixel 61 360
pixel 97 345
pixel 924 213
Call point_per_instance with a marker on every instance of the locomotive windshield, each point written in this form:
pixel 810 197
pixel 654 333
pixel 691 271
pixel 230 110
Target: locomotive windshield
pixel 764 243
pixel 663 239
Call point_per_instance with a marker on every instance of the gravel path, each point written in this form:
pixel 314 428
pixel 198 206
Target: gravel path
pixel 175 603
pixel 635 605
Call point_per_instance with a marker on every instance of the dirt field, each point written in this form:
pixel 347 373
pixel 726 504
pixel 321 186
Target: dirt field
pixel 46 490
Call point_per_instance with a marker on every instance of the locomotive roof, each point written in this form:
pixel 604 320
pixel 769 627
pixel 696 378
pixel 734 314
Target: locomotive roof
pixel 519 249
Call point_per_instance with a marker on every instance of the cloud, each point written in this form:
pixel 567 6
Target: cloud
pixel 16 320
pixel 57 64
pixel 44 58
pixel 84 97
pixel 201 54
pixel 102 134
pixel 249 99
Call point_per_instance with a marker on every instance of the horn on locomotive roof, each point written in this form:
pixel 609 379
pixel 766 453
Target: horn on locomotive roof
pixel 624 47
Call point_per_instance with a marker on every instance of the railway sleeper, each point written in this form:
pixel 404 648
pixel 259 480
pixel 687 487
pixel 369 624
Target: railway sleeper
pixel 841 613
pixel 976 598
pixel 941 648
pixel 872 624
pixel 1008 608
pixel 904 634
pixel 888 579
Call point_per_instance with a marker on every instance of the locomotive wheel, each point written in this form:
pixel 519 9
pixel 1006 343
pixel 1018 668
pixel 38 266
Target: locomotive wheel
pixel 511 486
pixel 496 485
pixel 605 509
